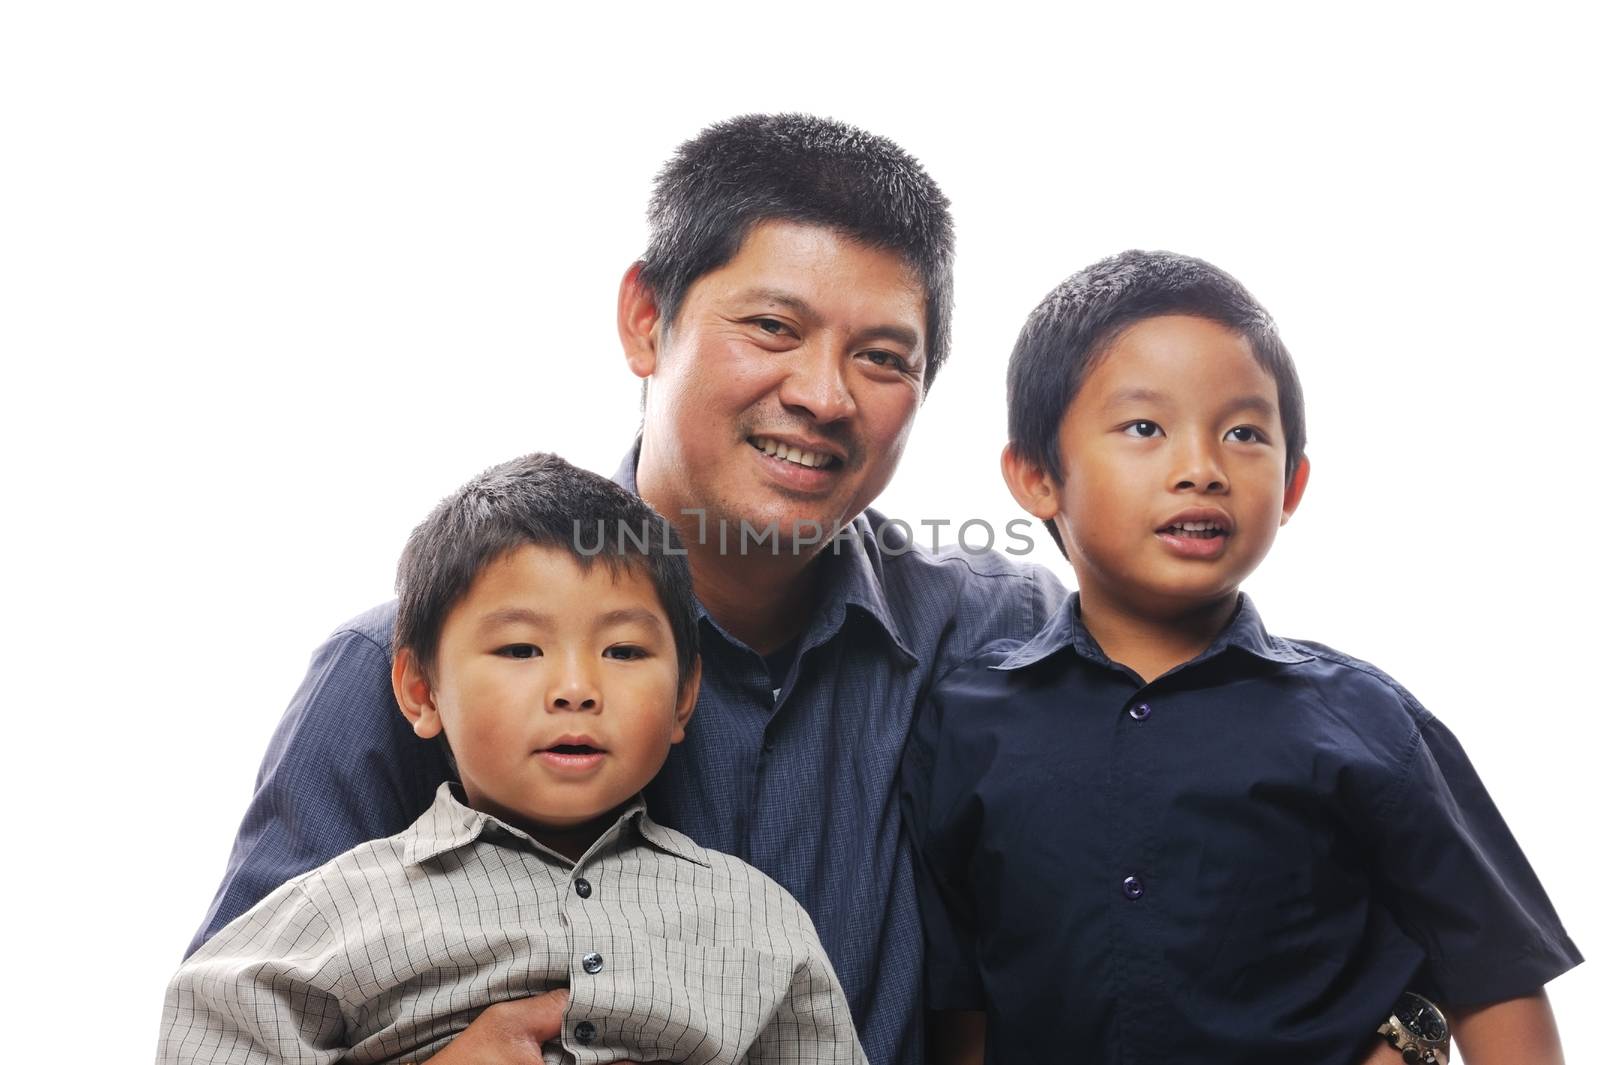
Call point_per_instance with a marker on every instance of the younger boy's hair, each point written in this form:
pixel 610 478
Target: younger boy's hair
pixel 1068 333
pixel 545 501
pixel 797 168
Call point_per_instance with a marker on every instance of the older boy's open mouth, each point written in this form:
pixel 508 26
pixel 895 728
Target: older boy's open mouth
pixel 1200 533
pixel 1204 530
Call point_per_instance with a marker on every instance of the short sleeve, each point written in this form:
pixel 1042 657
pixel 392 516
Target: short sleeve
pixel 261 991
pixel 942 824
pixel 342 768
pixel 1455 879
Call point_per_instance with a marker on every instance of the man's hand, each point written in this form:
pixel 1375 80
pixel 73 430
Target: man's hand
pixel 1383 1054
pixel 508 1033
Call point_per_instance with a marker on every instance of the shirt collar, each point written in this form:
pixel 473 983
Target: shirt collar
pixel 1244 631
pixel 851 573
pixel 450 824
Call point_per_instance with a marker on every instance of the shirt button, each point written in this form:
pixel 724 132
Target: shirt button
pixel 593 963
pixel 584 1032
pixel 581 886
pixel 1140 712
pixel 767 745
pixel 1133 887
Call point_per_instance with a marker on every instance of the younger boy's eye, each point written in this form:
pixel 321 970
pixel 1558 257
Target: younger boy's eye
pixel 627 652
pixel 519 650
pixel 1143 430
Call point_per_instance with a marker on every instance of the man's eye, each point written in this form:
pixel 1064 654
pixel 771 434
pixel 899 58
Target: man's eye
pixel 1245 435
pixel 771 326
pixel 627 652
pixel 1143 430
pixel 518 650
pixel 887 358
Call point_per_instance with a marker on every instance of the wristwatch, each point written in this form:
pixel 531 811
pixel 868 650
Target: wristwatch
pixel 1418 1030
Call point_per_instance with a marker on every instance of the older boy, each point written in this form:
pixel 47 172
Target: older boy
pixel 547 628
pixel 1155 832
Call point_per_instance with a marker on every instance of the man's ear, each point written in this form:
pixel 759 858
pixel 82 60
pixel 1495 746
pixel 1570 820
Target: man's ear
pixel 1295 490
pixel 1032 486
pixel 688 692
pixel 638 322
pixel 414 694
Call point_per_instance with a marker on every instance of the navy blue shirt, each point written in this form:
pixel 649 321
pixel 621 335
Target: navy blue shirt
pixel 1246 859
pixel 801 785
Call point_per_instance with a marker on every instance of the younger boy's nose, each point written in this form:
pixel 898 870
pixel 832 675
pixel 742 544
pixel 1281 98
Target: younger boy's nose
pixel 574 689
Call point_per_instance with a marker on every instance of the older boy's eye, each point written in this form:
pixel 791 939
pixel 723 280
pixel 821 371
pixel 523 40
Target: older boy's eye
pixel 518 650
pixel 1143 430
pixel 627 652
pixel 1246 435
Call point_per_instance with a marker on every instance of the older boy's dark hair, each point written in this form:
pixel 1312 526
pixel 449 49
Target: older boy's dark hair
pixel 1071 329
pixel 797 168
pixel 542 500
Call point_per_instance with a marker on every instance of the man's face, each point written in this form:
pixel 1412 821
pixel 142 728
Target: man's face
pixel 783 393
pixel 557 688
pixel 1174 461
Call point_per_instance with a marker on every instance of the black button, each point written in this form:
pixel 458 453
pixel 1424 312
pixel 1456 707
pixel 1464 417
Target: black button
pixel 584 1032
pixel 768 744
pixel 1140 712
pixel 581 886
pixel 1133 887
pixel 593 963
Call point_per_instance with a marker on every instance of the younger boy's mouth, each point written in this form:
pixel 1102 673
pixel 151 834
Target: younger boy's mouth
pixel 572 753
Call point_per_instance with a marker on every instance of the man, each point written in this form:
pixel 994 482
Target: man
pixel 788 317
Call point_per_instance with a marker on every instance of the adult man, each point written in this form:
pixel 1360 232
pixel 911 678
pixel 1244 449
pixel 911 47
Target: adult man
pixel 788 316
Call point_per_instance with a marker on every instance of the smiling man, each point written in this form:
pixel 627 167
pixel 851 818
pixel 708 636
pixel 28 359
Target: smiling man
pixel 789 315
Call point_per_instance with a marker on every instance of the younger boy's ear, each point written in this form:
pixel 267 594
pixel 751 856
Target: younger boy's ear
pixel 414 694
pixel 638 322
pixel 688 692
pixel 1031 486
pixel 1295 490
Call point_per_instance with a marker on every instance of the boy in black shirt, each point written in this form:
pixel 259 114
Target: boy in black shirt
pixel 1155 832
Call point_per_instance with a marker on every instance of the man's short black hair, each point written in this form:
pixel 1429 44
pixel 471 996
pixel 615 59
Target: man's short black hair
pixel 797 168
pixel 1071 329
pixel 542 500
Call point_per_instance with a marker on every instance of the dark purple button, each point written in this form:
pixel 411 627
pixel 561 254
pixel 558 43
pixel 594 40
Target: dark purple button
pixel 1140 712
pixel 593 963
pixel 581 886
pixel 1133 887
pixel 584 1032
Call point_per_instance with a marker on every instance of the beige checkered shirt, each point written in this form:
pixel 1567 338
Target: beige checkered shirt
pixel 672 952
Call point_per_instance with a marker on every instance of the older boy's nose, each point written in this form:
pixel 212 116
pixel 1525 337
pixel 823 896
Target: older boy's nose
pixel 816 384
pixel 1199 471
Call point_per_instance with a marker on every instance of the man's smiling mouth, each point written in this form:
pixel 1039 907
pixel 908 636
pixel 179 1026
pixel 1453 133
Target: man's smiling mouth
pixel 816 460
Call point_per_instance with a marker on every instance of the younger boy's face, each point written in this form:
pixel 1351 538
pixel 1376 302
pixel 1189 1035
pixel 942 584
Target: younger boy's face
pixel 556 686
pixel 1174 461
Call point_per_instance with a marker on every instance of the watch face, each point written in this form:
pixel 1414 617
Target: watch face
pixel 1422 1017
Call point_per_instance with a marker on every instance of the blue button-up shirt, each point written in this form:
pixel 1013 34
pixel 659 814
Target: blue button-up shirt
pixel 1246 859
pixel 801 785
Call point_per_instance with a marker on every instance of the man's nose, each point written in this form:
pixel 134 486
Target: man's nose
pixel 1199 468
pixel 817 383
pixel 574 688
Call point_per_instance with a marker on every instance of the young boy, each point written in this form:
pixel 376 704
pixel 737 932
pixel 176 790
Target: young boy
pixel 547 629
pixel 1156 833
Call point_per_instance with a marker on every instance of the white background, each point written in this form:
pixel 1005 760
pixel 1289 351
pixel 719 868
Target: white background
pixel 273 278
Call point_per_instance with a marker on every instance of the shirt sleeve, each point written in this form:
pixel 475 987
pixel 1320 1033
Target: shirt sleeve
pixel 938 817
pixel 261 992
pixel 1456 881
pixel 812 1025
pixel 342 768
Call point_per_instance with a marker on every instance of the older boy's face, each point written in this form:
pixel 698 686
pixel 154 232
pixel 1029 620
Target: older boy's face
pixel 557 688
pixel 785 390
pixel 1174 459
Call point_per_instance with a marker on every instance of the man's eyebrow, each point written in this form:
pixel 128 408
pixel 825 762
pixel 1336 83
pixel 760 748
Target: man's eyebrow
pixel 905 336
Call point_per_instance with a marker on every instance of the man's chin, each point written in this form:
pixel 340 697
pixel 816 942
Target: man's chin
pixel 785 535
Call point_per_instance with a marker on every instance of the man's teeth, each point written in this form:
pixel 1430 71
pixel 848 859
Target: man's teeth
pixel 812 459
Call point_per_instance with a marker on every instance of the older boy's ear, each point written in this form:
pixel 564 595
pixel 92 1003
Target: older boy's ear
pixel 688 692
pixel 414 694
pixel 1031 485
pixel 638 322
pixel 1295 490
